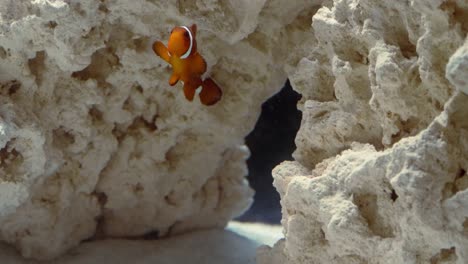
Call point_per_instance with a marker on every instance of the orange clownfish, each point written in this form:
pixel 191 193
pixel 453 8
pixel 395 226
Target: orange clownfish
pixel 188 65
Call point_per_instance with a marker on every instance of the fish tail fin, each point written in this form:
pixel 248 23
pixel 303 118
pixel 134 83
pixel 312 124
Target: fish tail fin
pixel 210 93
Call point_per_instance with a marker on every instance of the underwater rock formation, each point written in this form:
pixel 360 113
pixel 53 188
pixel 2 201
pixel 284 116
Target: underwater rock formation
pixel 95 143
pixel 382 152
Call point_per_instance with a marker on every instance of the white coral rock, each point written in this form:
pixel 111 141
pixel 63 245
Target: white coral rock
pixel 380 170
pixel 457 68
pixel 94 143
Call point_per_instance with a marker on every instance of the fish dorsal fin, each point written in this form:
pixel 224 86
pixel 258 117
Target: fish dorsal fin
pixel 189 51
pixel 193 28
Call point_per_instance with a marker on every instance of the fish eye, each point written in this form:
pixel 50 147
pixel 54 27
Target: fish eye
pixel 186 34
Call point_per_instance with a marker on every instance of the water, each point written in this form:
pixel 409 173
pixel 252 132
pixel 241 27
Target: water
pixel 271 142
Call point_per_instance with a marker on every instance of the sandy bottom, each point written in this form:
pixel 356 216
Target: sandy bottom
pixel 237 244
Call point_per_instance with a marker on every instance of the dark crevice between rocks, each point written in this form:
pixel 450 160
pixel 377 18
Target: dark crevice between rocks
pixel 395 33
pixel 446 255
pixel 393 196
pixel 99 232
pixel 270 143
pixel 406 128
pixel 407 49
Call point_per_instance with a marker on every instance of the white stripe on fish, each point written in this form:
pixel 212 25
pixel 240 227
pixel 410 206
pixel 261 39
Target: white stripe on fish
pixel 186 54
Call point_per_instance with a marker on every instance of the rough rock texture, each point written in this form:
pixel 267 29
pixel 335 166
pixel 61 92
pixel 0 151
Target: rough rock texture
pixel 94 143
pixel 382 152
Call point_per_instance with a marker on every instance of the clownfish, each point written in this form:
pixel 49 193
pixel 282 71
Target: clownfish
pixel 188 65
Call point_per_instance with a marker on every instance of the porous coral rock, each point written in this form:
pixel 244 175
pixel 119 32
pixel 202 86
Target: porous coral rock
pixel 382 151
pixel 457 68
pixel 94 142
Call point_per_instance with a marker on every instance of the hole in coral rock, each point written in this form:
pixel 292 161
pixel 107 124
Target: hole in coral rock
pixel 99 233
pixel 465 227
pixel 141 44
pixel 102 64
pixel 7 154
pixel 393 195
pixel 101 197
pixel 3 53
pixel 52 24
pixel 15 86
pixel 140 122
pixel 139 88
pixel 10 160
pixel 406 128
pixel 439 106
pixel 398 36
pixel 367 204
pixel 457 14
pixel 408 50
pixel 460 183
pixel 37 66
pixel 138 188
pixel 127 105
pixel 446 255
pixel 10 87
pixel 118 133
pixel 170 199
pixel 270 143
pixel 103 8
pixel 62 138
pixel 96 114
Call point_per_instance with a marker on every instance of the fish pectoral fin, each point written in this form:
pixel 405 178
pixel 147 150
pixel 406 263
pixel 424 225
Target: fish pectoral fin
pixel 189 91
pixel 174 79
pixel 210 93
pixel 161 50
